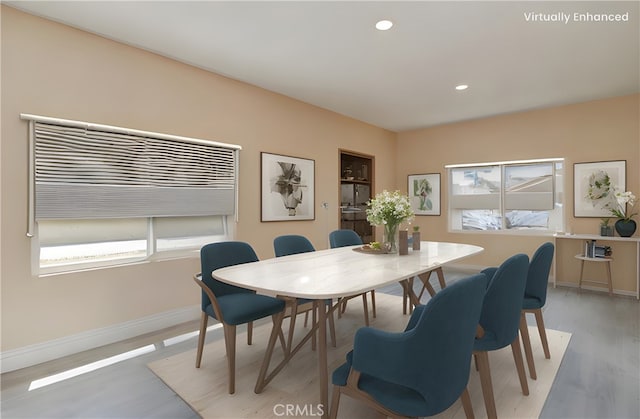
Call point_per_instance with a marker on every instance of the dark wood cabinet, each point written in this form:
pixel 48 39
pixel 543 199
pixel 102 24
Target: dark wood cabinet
pixel 356 188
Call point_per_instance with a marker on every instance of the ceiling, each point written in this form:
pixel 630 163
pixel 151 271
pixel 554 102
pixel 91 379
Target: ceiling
pixel 329 54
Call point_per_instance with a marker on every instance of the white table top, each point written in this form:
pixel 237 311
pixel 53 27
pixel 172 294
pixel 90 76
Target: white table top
pixel 340 272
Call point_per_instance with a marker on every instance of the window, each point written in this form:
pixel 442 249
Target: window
pixel 506 196
pixel 102 195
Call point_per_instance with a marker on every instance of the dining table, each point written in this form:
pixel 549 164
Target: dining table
pixel 332 274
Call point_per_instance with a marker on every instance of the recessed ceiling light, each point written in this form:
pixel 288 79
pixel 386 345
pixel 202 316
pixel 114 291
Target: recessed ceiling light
pixel 462 87
pixel 384 25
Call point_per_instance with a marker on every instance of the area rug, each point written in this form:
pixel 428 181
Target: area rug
pixel 294 392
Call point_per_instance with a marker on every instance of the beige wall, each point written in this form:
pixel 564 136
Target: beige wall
pixel 585 132
pixel 53 70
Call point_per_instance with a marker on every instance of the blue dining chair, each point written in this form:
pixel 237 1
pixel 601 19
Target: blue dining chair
pixel 228 304
pixel 423 370
pixel 499 322
pixel 292 244
pixel 342 238
pixel 535 296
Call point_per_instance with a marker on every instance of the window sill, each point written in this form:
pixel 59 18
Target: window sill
pixel 116 264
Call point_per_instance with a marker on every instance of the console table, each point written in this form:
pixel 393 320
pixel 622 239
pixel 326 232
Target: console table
pixel 625 264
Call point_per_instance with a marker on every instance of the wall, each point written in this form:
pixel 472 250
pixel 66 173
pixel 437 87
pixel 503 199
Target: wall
pixel 586 132
pixel 54 70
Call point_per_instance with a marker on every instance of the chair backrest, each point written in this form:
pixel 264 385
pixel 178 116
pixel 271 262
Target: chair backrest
pixel 291 244
pixel 500 316
pixel 219 255
pixel 341 238
pixel 438 344
pixel 538 276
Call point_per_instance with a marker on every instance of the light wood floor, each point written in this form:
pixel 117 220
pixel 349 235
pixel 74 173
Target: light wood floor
pixel 598 378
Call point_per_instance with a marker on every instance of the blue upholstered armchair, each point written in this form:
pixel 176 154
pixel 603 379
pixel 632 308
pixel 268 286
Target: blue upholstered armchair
pixel 535 296
pixel 423 370
pixel 227 303
pixel 499 322
pixel 342 238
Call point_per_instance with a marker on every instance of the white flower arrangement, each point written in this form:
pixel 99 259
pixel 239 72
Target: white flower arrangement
pixel 389 208
pixel 601 192
pixel 618 206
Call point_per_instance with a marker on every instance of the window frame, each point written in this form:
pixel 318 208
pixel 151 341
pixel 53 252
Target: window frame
pixel 559 198
pixel 224 219
pixel 151 253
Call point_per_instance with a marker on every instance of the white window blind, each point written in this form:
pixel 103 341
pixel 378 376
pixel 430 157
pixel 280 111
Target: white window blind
pixel 85 171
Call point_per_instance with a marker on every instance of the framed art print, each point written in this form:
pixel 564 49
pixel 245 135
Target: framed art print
pixel 593 184
pixel 287 185
pixel 424 193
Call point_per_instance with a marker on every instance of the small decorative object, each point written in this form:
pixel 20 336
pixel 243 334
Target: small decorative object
pixel 416 237
pixel 590 248
pixel 389 209
pixel 403 242
pixel 605 228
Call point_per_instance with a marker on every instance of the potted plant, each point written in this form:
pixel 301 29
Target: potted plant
pixel 389 209
pixel 605 228
pixel 625 225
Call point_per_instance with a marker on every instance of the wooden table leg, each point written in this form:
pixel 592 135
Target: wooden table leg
pixel 323 373
pixel 425 277
pixel 408 289
pixel 441 278
pixel 275 332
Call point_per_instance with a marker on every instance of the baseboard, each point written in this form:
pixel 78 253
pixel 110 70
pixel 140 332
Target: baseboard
pixel 27 356
pixel 592 288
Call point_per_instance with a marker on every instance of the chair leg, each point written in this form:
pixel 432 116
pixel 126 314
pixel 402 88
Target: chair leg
pixel 466 404
pixel 249 333
pixel 482 358
pixel 517 356
pixel 405 297
pixel 335 402
pixel 373 303
pixel 526 342
pixel 542 331
pixel 203 332
pixel 366 309
pixel 230 343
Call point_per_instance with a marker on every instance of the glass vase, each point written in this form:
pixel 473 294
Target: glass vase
pixel 390 237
